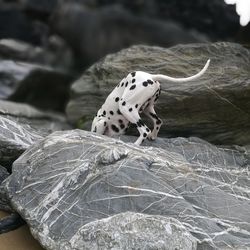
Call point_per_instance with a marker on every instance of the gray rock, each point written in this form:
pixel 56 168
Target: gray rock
pixel 44 122
pixel 40 86
pixel 133 231
pixel 215 107
pixel 56 54
pixel 4 202
pixel 3 174
pixel 22 125
pixel 78 181
pixel 12 221
pixel 94 33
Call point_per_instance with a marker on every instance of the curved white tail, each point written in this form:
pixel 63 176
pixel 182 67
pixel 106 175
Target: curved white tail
pixel 187 79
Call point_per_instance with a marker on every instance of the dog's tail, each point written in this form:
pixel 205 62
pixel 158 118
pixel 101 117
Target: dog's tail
pixel 187 79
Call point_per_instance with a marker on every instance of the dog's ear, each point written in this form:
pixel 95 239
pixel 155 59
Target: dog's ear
pixel 99 126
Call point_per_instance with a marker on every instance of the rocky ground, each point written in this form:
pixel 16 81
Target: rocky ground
pixel 189 189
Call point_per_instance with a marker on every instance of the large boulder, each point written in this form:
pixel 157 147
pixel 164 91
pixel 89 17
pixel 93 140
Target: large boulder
pixel 94 33
pixel 22 125
pixel 214 107
pixel 91 190
pixel 15 24
pixel 40 86
pixel 214 18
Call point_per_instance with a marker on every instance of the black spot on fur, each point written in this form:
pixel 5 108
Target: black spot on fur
pixel 144 134
pixel 122 126
pixel 104 112
pixel 120 121
pixel 133 74
pixel 130 110
pixel 145 84
pixel 132 87
pixel 117 99
pixel 111 112
pixel 124 103
pixel 109 118
pixel 147 129
pixel 133 80
pixel 94 129
pixel 119 112
pixel 122 84
pixel 115 128
pixel 154 116
pixel 105 124
pixel 158 122
pixel 150 81
pixel 157 128
pixel 136 105
pixel 126 85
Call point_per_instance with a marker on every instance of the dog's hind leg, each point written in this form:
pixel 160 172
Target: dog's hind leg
pixel 150 112
pixel 130 112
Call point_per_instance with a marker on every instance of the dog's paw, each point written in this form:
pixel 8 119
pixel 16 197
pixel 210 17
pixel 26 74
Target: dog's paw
pixel 151 137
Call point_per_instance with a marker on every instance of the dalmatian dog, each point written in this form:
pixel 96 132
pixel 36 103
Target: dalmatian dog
pixel 135 94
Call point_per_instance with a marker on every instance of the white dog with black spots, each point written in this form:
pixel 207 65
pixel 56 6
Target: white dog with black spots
pixel 135 94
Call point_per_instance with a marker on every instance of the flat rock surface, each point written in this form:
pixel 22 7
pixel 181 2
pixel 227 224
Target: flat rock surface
pixel 214 107
pixel 73 180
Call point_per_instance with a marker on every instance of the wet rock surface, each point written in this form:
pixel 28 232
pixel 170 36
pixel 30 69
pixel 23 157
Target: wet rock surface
pixel 78 181
pixel 214 107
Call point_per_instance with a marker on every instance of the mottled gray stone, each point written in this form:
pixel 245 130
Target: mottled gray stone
pixel 13 220
pixel 214 107
pixel 15 138
pixel 75 179
pixel 133 231
pixel 4 203
pixel 21 125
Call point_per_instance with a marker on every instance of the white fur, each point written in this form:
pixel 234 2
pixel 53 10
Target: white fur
pixel 137 93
